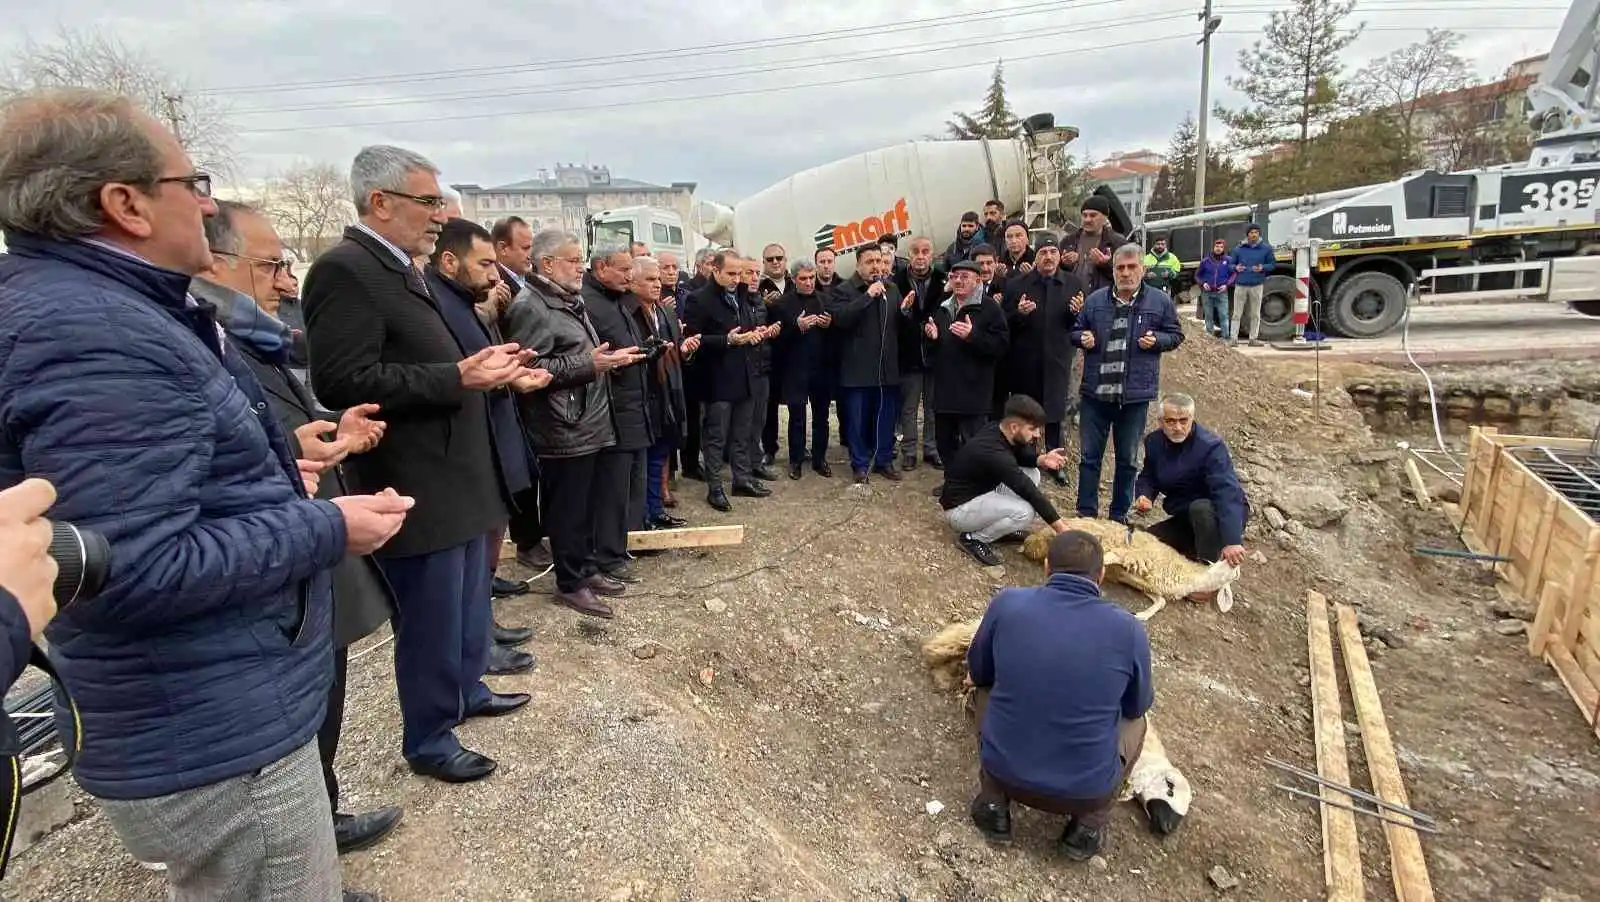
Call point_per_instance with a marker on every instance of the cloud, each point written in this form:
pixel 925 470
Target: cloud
pixel 610 82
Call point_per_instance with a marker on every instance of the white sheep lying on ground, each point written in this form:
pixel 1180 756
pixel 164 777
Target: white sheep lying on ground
pixel 1162 790
pixel 1147 564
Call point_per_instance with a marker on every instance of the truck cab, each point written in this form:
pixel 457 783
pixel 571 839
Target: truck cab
pixel 659 230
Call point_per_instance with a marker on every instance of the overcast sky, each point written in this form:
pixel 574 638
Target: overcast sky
pixel 632 84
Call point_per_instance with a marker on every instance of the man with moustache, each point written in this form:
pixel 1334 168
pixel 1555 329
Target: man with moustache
pixel 378 336
pixel 866 315
pixel 966 338
pixel 722 315
pixel 806 377
pixel 921 280
pixel 1086 251
pixel 774 284
pixel 829 283
pixel 1041 306
pixel 663 383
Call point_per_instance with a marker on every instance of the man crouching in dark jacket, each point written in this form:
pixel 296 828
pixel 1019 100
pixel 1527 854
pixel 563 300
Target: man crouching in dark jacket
pixel 569 422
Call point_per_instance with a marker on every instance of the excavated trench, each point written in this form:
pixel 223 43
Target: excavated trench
pixel 1550 400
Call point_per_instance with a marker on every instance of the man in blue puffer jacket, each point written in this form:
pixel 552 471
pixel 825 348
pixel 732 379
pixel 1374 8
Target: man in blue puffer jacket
pixel 1253 261
pixel 202 668
pixel 1123 329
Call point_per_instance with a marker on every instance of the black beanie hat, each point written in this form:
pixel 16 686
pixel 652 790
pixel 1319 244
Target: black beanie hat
pixel 1096 203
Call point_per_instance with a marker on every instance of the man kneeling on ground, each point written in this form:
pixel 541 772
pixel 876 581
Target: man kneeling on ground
pixel 1062 683
pixel 1205 504
pixel 991 485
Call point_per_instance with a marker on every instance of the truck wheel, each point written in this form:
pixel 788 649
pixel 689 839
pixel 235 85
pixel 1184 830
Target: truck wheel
pixel 1367 305
pixel 1587 308
pixel 1277 308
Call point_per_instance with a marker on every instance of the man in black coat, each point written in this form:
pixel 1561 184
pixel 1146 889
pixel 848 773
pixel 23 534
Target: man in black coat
pixel 967 337
pixel 620 470
pixel 722 315
pixel 1041 307
pixel 247 274
pixel 805 377
pixel 513 247
pixel 921 280
pixel 461 275
pixel 770 289
pixel 376 334
pixel 866 318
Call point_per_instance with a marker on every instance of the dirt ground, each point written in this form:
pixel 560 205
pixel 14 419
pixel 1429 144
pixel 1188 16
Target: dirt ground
pixel 755 724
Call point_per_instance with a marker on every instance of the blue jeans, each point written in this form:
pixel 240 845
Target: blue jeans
pixel 1215 307
pixel 872 413
pixel 1125 424
pixel 655 463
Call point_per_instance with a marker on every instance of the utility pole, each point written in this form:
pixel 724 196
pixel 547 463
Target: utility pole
pixel 1208 24
pixel 175 118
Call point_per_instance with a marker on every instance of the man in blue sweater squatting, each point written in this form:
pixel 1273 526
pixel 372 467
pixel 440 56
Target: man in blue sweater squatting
pixel 1063 681
pixel 1190 465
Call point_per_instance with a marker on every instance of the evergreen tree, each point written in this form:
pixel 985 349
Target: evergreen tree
pixel 994 119
pixel 1293 81
pixel 1174 190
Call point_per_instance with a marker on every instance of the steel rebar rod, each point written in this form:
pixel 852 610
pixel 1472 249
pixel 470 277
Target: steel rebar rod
pixel 1350 790
pixel 1465 555
pixel 1379 815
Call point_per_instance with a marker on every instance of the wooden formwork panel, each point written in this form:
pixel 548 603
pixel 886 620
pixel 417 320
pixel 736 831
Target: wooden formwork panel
pixel 1553 552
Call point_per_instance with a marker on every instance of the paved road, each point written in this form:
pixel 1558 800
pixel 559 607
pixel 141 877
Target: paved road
pixel 1485 333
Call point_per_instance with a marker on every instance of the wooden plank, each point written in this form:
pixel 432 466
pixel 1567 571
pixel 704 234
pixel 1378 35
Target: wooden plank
pixel 1341 854
pixel 1507 528
pixel 1530 582
pixel 1490 489
pixel 1419 489
pixel 1580 587
pixel 1410 869
pixel 1578 686
pixel 1547 441
pixel 1476 437
pixel 1544 618
pixel 688 537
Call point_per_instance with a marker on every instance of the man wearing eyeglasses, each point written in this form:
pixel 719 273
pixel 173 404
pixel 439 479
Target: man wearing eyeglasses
pixel 378 335
pixel 1189 464
pixel 201 671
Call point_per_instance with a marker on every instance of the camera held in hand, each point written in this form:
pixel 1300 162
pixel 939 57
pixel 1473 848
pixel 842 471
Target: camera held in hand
pixel 83 561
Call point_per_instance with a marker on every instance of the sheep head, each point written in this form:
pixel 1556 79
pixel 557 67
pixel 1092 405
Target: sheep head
pixel 946 654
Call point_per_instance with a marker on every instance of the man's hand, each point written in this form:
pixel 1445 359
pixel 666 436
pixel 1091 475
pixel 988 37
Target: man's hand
pixel 689 345
pixel 491 367
pixel 806 322
pixel 1088 340
pixel 876 290
pixel 774 329
pixel 1052 460
pixel 825 320
pixel 961 329
pixel 1060 526
pixel 532 380
pixel 606 359
pixel 1099 256
pixel 500 295
pixel 908 301
pixel 1147 340
pixel 1026 305
pixel 372 520
pixel 1077 302
pixel 1024 268
pixel 308 474
pixel 26 569
pixel 317 450
pixel 1070 257
pixel 1233 554
pixel 358 430
pixel 1142 504
pixel 930 329
pixel 1239 268
pixel 1256 268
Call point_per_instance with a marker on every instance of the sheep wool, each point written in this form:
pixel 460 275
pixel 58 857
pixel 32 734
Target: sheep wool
pixel 1160 788
pixel 1146 564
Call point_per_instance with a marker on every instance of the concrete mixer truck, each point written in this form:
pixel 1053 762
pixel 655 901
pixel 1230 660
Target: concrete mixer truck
pixel 914 188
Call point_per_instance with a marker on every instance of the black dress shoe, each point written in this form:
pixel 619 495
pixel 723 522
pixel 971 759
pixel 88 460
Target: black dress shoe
pixel 1059 478
pixel 511 635
pixel 980 550
pixel 822 469
pixel 500 704
pixel 764 471
pixel 505 588
pixel 505 661
pixel 1081 843
pixel 622 573
pixel 861 477
pixel 602 584
pixel 889 473
pixel 535 556
pixel 794 471
pixel 462 767
pixel 718 499
pixel 668 521
pixel 354 832
pixel 752 490
pixel 583 601
pixel 993 820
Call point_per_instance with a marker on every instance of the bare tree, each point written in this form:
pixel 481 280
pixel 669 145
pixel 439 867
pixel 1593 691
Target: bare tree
pixel 93 58
pixel 310 204
pixel 1402 85
pixel 1479 132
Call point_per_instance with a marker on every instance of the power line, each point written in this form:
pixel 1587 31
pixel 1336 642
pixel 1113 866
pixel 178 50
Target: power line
pixel 666 53
pixel 595 107
pixel 701 75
